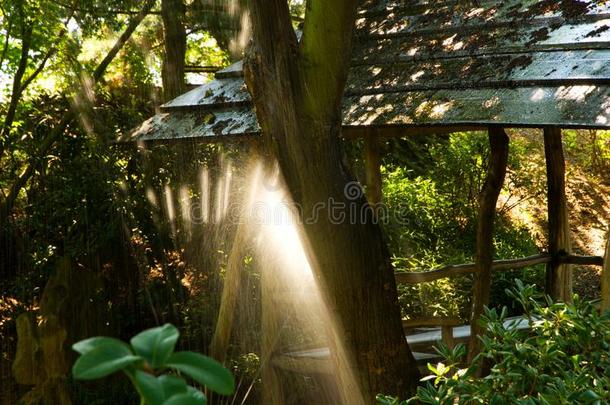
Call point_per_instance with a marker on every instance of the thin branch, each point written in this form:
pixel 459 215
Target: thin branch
pixel 6 39
pixel 19 87
pixel 50 52
pixel 133 24
pixel 26 36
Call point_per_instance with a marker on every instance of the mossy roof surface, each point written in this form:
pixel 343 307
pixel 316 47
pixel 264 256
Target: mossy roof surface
pixel 442 63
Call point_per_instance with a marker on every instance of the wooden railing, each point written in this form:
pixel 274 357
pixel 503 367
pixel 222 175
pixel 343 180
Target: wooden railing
pixel 448 323
pixel 459 270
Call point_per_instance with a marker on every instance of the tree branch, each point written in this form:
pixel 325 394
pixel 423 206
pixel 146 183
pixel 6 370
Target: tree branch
pixel 20 86
pixel 26 36
pixel 6 40
pixel 133 24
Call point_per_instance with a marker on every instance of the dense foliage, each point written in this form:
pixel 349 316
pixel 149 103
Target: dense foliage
pixel 430 191
pixel 564 359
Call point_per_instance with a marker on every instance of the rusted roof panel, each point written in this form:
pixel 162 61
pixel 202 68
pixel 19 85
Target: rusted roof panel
pixel 428 63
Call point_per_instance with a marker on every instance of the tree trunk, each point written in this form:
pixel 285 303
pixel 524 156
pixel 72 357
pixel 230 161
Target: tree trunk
pixel 297 93
pixel 488 199
pixel 172 13
pixel 372 161
pixel 558 276
pixel 606 279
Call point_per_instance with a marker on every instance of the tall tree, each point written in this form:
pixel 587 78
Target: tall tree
pixel 297 90
pixel 174 38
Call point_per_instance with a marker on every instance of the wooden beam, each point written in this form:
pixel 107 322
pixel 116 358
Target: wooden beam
pixel 605 304
pixel 372 162
pixel 581 260
pixel 488 199
pixel 558 276
pixel 400 131
pixel 465 269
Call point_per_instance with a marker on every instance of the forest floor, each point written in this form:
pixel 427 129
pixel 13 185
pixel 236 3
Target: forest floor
pixel 588 197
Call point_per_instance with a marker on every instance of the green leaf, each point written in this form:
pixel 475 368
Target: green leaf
pixel 172 385
pixel 185 399
pixel 102 361
pixel 196 393
pixel 204 370
pixel 149 387
pixel 85 346
pixel 589 396
pixel 156 344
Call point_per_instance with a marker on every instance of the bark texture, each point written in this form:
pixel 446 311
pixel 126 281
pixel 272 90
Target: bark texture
pixel 172 74
pixel 297 89
pixel 605 306
pixel 488 199
pixel 558 276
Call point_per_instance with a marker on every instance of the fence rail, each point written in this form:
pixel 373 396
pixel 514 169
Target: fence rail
pixel 460 270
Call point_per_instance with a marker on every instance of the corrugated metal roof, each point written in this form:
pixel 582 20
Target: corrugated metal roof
pixel 418 63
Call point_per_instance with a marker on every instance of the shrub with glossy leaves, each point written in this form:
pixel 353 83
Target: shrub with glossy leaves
pixel 150 362
pixel 564 359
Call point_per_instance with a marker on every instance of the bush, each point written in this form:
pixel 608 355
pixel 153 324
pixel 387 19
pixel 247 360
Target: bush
pixel 564 359
pixel 146 362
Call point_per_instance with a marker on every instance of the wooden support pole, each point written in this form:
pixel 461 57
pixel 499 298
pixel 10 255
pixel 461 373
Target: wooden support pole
pixel 605 306
pixel 447 336
pixel 558 276
pixel 372 161
pixel 488 199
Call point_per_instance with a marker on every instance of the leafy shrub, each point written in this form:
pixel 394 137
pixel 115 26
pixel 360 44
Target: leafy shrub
pixel 430 191
pixel 146 359
pixel 564 359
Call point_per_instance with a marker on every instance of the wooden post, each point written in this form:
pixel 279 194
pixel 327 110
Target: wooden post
pixel 372 161
pixel 558 276
pixel 606 279
pixel 488 199
pixel 447 336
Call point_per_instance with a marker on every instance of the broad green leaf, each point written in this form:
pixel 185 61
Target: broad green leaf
pixel 204 370
pixel 172 385
pixel 185 399
pixel 149 387
pixel 85 346
pixel 194 392
pixel 102 361
pixel 156 344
